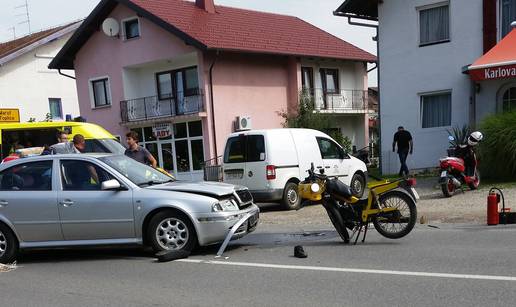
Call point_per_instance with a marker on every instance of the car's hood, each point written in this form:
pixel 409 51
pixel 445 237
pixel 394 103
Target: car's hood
pixel 202 188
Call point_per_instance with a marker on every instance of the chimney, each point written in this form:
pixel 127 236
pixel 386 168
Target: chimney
pixel 206 5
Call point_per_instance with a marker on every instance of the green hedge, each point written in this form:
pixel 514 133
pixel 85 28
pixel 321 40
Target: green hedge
pixel 498 149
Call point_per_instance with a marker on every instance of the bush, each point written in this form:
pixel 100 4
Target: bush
pixel 498 149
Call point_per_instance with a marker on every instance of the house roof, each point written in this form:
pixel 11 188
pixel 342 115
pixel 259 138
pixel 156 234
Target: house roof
pixel 228 29
pixel 366 9
pixel 10 48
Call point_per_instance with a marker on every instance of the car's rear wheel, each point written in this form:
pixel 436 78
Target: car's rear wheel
pixel 291 199
pixel 170 230
pixel 8 245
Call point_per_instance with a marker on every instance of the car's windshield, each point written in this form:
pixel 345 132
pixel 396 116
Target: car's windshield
pixel 104 145
pixel 140 174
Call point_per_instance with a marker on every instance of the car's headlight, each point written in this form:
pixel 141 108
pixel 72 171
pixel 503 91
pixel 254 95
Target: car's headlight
pixel 225 205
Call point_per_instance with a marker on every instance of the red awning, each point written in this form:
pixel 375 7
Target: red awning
pixel 497 63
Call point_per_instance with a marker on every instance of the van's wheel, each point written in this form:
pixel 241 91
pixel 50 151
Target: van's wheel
pixel 358 185
pixel 171 231
pixel 291 199
pixel 8 245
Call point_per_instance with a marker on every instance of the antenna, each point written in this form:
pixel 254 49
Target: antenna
pixel 27 15
pixel 13 29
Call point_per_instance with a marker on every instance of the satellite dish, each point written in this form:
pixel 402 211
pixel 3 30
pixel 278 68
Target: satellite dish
pixel 111 27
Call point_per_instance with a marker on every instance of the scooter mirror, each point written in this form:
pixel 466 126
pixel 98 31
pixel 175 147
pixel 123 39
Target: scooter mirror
pixel 451 138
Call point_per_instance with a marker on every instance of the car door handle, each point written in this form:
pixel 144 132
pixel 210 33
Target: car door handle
pixel 67 203
pixel 3 203
pixel 319 167
pixel 327 166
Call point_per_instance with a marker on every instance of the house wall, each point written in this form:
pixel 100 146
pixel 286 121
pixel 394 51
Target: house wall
pixel 407 70
pixel 26 84
pixel 106 56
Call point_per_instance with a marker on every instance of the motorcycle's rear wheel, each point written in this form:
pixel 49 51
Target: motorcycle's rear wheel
pixel 448 187
pixel 337 221
pixel 399 223
pixel 474 185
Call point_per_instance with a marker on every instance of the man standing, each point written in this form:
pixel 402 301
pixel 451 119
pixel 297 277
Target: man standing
pixel 77 146
pixel 137 152
pixel 405 146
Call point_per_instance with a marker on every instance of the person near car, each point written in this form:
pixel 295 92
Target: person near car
pixel 62 136
pixel 76 146
pixel 403 140
pixel 14 155
pixel 137 152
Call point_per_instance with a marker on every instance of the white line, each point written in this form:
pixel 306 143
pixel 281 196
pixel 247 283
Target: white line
pixel 348 270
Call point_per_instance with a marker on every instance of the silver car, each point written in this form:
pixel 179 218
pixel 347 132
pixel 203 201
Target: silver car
pixel 89 200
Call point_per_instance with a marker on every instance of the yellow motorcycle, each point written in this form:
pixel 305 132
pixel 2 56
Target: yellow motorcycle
pixel 390 205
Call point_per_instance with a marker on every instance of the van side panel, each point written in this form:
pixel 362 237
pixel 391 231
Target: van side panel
pixel 282 154
pixel 308 150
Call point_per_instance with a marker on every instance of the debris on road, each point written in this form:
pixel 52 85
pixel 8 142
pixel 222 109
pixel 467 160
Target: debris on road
pixel 8 267
pixel 166 256
pixel 299 252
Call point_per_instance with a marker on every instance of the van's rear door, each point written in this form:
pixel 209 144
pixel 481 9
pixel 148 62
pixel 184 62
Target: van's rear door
pixel 234 160
pixel 256 165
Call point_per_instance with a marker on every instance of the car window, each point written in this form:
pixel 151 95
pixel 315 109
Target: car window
pixel 255 148
pixel 33 176
pixel 138 173
pixel 234 152
pixel 79 175
pixel 329 149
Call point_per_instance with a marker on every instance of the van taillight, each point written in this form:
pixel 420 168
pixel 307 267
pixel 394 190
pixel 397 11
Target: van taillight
pixel 271 172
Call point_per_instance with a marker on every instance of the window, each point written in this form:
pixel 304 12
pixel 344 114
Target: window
pixel 436 110
pixel 56 110
pixel 250 148
pixel 307 77
pixel 329 149
pixel 35 176
pixel 131 28
pixel 509 100
pixel 507 15
pixel 234 152
pixel 434 25
pixel 330 80
pixel 178 83
pixel 255 148
pixel 82 176
pixel 164 86
pixel 101 93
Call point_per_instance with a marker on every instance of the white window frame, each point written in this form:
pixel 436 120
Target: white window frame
pixel 434 93
pixel 432 6
pixel 92 95
pixel 124 21
pixel 60 106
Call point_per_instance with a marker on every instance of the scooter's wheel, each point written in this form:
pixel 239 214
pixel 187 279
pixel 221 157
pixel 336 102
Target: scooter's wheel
pixel 475 183
pixel 448 187
pixel 396 224
pixel 338 222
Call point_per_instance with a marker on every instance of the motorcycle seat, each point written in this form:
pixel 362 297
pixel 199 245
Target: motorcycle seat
pixel 338 188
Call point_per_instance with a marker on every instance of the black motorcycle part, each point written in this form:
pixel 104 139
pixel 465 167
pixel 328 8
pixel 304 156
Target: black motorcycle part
pixel 336 219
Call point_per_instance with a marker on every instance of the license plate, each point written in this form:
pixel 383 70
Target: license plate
pixel 443 174
pixel 234 174
pixel 416 195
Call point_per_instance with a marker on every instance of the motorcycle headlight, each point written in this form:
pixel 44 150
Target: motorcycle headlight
pixel 315 187
pixel 225 205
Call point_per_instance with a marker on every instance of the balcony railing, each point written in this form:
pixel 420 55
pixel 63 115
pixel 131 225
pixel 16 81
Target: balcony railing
pixel 152 107
pixel 342 100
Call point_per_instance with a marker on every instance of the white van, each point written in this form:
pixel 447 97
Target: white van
pixel 272 162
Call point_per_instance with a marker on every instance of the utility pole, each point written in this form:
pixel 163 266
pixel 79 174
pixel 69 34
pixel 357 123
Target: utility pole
pixel 26 14
pixel 13 29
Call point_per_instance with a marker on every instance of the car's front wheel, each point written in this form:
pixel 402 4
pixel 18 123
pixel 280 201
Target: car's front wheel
pixel 172 231
pixel 358 184
pixel 8 245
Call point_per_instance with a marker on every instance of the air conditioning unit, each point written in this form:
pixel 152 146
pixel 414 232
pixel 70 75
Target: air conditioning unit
pixel 243 123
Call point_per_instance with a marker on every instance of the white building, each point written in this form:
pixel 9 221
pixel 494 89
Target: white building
pixel 28 85
pixel 425 50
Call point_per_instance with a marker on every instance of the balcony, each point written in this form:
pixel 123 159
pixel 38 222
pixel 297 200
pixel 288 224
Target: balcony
pixel 341 101
pixel 149 108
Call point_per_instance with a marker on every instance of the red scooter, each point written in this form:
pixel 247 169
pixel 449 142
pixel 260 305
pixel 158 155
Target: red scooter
pixel 460 167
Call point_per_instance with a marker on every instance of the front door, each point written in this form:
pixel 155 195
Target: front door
pixel 87 212
pixel 333 158
pixel 29 202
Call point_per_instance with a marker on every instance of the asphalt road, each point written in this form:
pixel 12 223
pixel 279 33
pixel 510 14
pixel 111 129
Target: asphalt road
pixel 453 265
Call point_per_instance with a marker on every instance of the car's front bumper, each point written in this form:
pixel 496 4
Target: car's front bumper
pixel 213 227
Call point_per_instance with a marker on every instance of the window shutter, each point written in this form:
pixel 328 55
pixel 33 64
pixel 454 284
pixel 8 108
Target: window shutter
pixel 490 31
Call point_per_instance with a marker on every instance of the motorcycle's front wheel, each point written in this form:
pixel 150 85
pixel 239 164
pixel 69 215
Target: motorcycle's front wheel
pixel 337 221
pixel 396 224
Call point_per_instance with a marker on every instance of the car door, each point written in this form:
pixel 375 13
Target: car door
pixel 28 199
pixel 87 212
pixel 333 158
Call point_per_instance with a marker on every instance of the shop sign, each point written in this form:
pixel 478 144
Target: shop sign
pixel 493 73
pixel 162 130
pixel 9 115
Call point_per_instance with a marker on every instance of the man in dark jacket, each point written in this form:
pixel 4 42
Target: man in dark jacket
pixel 403 139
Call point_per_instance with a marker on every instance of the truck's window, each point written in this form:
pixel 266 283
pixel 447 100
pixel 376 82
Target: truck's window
pixel 255 148
pixel 329 149
pixel 234 152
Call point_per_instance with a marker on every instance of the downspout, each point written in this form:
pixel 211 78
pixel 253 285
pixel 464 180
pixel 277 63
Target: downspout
pixel 63 74
pixel 213 106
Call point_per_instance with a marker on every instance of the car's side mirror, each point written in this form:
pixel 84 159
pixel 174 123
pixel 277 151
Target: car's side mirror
pixel 112 184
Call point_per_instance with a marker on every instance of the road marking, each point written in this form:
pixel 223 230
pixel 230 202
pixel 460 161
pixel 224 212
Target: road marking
pixel 349 270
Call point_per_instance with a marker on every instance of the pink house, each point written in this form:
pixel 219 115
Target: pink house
pixel 184 74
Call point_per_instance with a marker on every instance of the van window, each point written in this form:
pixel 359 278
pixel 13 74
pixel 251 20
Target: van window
pixel 17 139
pixel 255 148
pixel 329 149
pixel 234 152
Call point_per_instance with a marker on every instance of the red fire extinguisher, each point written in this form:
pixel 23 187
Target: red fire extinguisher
pixel 493 199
